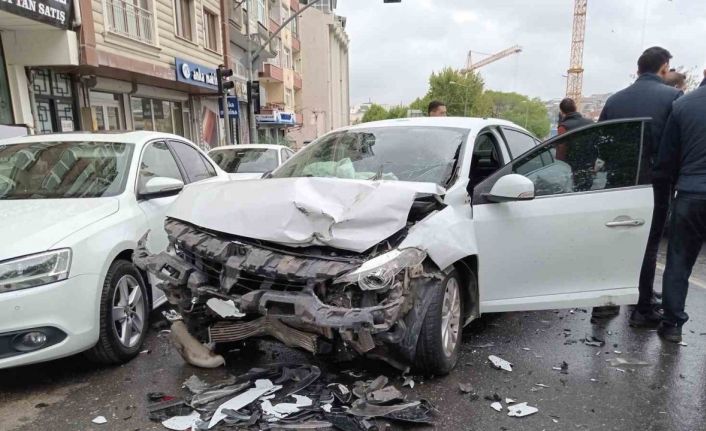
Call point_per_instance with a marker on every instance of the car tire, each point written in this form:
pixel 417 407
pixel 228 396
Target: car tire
pixel 439 341
pixel 124 315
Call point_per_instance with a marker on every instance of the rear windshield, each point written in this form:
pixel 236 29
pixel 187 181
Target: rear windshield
pixel 245 160
pixel 54 170
pixel 400 153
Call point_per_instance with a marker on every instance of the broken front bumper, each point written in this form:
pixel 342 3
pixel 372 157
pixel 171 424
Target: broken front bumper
pixel 284 294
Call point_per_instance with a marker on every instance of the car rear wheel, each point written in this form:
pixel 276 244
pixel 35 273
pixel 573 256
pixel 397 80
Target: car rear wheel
pixel 124 315
pixel 440 338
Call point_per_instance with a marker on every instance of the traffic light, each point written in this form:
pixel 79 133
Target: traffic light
pixel 224 83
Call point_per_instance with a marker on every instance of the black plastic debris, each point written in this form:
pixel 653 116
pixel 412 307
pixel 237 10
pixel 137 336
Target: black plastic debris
pixel 591 340
pixel 494 397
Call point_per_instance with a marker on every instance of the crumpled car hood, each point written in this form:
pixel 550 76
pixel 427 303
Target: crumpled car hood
pixel 351 215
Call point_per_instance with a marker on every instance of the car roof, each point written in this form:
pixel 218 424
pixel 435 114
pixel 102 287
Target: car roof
pixel 471 123
pixel 248 146
pixel 136 137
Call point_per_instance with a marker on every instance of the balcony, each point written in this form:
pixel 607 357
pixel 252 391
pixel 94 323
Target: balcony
pixel 271 73
pixel 294 5
pixel 296 45
pixel 126 19
pixel 274 25
pixel 297 81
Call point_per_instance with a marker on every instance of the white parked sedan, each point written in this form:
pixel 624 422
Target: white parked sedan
pixel 384 239
pixel 249 161
pixel 72 207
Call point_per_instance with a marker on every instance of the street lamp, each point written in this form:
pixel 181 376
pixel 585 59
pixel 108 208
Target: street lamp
pixel 465 96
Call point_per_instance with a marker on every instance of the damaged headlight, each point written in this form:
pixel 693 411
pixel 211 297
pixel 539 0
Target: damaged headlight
pixel 34 270
pixel 380 272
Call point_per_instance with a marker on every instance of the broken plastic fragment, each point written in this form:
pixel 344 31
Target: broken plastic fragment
pixel 385 395
pixel 326 408
pixel 496 406
pixel 527 349
pixel 408 381
pixel 224 308
pixel 499 363
pixel 262 387
pixel 590 340
pixel 510 401
pixel 466 388
pixel 100 420
pixel 521 410
pixel 541 385
pixel 618 362
pixel 282 410
pixel 681 343
pixel 182 423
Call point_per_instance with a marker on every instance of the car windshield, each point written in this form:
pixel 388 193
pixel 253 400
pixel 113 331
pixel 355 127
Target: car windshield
pixel 400 153
pixel 245 160
pixel 54 170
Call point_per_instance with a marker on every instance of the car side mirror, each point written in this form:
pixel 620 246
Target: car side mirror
pixel 512 187
pixel 267 174
pixel 159 187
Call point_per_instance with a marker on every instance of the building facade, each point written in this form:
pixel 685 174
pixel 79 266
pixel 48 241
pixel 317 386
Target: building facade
pixel 324 102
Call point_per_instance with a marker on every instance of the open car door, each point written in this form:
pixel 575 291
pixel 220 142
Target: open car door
pixel 580 241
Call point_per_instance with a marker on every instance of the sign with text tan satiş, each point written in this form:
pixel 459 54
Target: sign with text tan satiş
pixel 53 12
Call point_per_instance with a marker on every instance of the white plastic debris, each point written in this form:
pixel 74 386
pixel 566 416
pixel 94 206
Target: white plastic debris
pixel 541 385
pixel 681 343
pixel 283 410
pixel 521 410
pixel 556 368
pixel 619 362
pixel 182 423
pixel 100 420
pixel 526 349
pixel 510 401
pixel 496 406
pixel 224 308
pixel 262 387
pixel 594 380
pixel 408 381
pixel 326 408
pixel 500 363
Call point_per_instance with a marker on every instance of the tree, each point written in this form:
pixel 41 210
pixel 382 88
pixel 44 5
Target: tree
pixel 374 113
pixel 461 92
pixel 521 110
pixel 397 112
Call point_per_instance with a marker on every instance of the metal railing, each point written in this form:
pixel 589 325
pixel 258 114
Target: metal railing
pixel 129 20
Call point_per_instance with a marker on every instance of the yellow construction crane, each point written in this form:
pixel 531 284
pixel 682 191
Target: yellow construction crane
pixel 471 66
pixel 574 79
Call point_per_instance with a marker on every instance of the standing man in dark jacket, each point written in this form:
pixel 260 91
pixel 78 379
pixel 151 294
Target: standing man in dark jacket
pixel 647 97
pixel 570 118
pixel 682 161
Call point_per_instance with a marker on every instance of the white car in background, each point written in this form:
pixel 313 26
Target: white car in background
pixel 245 162
pixel 72 208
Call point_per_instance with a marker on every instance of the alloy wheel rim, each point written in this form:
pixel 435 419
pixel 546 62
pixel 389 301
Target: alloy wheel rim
pixel 128 311
pixel 450 317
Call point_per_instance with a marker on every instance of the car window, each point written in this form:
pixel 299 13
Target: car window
pixel 285 155
pixel 195 165
pixel 486 158
pixel 157 161
pixel 245 160
pixel 598 158
pixel 518 142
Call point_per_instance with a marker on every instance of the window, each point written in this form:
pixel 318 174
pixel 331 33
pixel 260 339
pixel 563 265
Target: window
pixel 486 158
pixel 287 59
pixel 245 160
pixel 107 110
pixel 518 142
pixel 158 115
pixel 285 155
pixel 210 29
pixel 183 10
pixel 157 161
pixel 603 157
pixel 261 12
pixel 195 165
pixel 288 97
pixel 130 18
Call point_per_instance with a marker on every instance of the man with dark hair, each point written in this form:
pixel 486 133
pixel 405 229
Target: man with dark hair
pixel 436 109
pixel 570 118
pixel 682 161
pixel 648 97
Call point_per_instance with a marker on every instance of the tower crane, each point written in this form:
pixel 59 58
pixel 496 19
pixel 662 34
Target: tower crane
pixel 574 80
pixel 471 66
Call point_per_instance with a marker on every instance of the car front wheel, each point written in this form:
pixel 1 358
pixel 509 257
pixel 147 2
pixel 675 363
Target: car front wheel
pixel 440 338
pixel 124 315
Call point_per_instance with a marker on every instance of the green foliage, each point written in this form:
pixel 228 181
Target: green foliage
pixel 461 92
pixel 397 112
pixel 521 110
pixel 374 113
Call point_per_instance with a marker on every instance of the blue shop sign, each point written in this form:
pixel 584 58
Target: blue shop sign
pixel 232 106
pixel 196 74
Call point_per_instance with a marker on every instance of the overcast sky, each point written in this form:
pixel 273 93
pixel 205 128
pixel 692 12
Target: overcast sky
pixel 394 47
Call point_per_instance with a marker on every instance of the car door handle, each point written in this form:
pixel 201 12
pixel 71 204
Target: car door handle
pixel 620 222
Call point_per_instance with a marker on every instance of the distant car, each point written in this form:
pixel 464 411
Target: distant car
pixel 72 208
pixel 244 162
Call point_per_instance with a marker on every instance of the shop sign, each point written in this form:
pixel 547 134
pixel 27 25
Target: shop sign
pixel 276 117
pixel 195 74
pixel 232 106
pixel 53 12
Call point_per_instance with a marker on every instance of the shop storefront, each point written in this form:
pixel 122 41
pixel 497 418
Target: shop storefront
pixel 272 126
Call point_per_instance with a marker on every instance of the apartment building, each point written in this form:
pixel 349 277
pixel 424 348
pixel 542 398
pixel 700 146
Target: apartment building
pixel 324 102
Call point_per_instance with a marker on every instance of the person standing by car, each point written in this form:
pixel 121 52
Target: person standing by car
pixel 436 109
pixel 682 161
pixel 570 117
pixel 649 97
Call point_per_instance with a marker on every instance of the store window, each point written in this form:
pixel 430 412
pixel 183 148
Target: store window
pixel 54 103
pixel 210 28
pixel 5 102
pixel 184 13
pixel 107 111
pixel 159 115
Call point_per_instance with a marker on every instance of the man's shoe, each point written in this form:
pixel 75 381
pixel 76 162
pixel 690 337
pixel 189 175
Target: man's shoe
pixel 650 319
pixel 605 312
pixel 669 332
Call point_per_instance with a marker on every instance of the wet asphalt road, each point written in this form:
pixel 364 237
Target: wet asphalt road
pixel 667 394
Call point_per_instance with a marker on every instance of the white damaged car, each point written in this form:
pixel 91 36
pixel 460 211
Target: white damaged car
pixel 385 239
